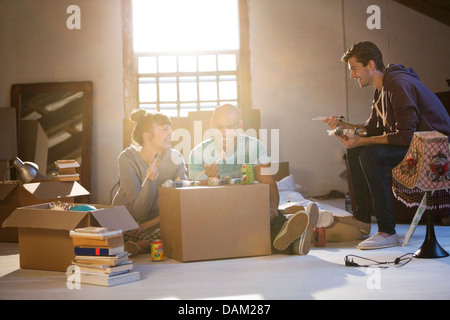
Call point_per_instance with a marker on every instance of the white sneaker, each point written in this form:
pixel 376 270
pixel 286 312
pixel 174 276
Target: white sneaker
pixel 302 245
pixel 377 242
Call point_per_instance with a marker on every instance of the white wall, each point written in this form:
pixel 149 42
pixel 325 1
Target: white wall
pixel 296 46
pixel 36 46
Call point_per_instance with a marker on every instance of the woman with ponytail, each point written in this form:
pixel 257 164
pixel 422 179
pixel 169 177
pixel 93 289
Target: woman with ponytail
pixel 143 168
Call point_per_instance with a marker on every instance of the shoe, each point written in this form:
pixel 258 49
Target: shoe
pixel 291 230
pixel 351 220
pixel 132 248
pixel 291 209
pixel 378 242
pixel 302 245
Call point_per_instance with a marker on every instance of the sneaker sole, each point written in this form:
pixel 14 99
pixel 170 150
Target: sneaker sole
pixel 293 209
pixel 304 244
pixel 291 230
pixel 379 247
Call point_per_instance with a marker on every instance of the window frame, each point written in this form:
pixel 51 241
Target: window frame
pixel 198 75
pixel 130 62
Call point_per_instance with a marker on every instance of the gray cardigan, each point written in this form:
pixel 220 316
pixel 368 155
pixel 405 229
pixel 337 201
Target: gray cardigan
pixel 143 202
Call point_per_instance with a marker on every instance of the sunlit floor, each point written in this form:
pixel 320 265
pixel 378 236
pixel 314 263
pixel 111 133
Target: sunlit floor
pixel 319 275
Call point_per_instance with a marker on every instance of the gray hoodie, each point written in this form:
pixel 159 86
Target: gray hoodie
pixel 409 106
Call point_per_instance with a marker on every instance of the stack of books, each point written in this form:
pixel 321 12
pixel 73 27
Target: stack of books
pixel 100 258
pixel 66 170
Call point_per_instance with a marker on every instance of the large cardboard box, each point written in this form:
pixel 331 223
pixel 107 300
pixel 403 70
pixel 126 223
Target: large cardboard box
pixel 204 223
pixel 15 194
pixel 44 241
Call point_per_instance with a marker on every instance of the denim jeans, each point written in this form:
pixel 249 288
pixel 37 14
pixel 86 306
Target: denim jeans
pixel 369 167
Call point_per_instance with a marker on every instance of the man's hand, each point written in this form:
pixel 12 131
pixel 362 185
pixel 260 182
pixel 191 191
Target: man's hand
pixel 212 170
pixel 333 122
pixel 350 140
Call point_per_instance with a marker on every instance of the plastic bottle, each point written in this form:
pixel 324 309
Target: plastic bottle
pixel 348 203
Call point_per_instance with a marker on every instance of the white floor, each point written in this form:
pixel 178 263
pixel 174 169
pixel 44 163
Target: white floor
pixel 319 275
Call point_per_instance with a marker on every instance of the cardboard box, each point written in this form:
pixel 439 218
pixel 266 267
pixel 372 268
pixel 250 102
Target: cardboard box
pixel 15 194
pixel 204 223
pixel 44 241
pixel 33 144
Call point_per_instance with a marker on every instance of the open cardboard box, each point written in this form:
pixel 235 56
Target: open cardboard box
pixel 44 241
pixel 15 194
pixel 204 223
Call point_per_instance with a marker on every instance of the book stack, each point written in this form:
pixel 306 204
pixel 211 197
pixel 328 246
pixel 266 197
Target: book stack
pixel 66 170
pixel 100 258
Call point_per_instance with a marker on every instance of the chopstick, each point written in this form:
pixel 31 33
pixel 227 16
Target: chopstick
pixel 341 118
pixel 146 177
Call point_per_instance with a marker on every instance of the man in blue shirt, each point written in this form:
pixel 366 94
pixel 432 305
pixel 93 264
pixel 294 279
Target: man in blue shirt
pixel 223 156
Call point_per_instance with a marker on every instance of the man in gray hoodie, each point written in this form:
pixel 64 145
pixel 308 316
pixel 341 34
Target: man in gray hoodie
pixel 402 105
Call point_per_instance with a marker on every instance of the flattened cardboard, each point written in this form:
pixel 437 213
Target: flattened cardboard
pixel 56 189
pixel 15 194
pixel 205 223
pixel 33 144
pixel 8 134
pixel 44 241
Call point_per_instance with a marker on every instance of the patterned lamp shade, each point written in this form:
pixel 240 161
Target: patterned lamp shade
pixel 424 171
pixel 426 164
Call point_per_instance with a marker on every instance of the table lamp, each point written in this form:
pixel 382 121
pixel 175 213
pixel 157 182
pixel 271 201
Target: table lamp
pixel 26 171
pixel 423 173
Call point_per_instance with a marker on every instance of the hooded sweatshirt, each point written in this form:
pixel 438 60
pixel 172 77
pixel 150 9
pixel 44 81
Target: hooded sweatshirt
pixel 405 105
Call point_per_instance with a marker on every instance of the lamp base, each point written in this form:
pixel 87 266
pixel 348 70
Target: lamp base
pixel 430 248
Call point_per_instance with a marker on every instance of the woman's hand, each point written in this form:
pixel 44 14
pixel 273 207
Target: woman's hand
pixel 152 172
pixel 137 232
pixel 145 226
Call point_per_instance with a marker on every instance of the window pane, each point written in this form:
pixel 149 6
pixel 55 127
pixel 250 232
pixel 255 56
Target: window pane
pixel 188 89
pixel 185 108
pixel 167 89
pixel 208 88
pixel 227 87
pixel 227 62
pixel 207 63
pixel 208 106
pixel 187 64
pixel 149 107
pixel 147 65
pixel 167 64
pixel 169 109
pixel 234 103
pixel 147 90
pixel 175 25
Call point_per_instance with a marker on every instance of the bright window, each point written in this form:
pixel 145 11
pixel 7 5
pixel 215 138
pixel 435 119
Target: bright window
pixel 187 54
